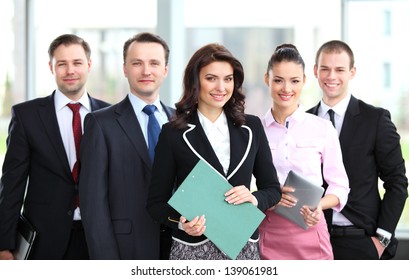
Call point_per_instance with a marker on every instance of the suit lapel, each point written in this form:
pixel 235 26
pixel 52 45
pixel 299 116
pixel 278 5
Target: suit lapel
pixel 239 140
pixel 169 111
pixel 94 104
pixel 198 140
pixel 48 118
pixel 128 121
pixel 200 145
pixel 349 124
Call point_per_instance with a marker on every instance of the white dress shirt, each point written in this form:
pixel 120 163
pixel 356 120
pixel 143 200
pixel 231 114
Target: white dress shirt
pixel 138 105
pixel 219 137
pixel 64 118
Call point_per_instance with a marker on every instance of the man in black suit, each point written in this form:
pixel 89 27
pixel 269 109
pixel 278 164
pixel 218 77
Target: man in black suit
pixel 116 165
pixel 371 150
pixel 41 154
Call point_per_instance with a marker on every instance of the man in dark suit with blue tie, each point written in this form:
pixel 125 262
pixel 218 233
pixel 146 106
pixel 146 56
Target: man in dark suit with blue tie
pixel 116 152
pixel 39 170
pixel 365 228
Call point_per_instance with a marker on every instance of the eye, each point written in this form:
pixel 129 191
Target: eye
pixel 277 81
pixel 228 79
pixel 210 78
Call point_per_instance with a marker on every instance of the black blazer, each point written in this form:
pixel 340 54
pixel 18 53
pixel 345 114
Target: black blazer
pixel 35 151
pixel 175 157
pixel 113 188
pixel 371 149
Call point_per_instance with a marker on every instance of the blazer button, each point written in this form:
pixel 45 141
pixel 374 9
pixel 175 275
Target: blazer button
pixel 69 213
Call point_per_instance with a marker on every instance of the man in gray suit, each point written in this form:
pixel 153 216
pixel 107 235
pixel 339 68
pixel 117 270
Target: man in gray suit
pixel 41 156
pixel 116 166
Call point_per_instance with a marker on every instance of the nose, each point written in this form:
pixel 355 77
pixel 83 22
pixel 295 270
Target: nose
pixel 146 70
pixel 220 87
pixel 287 88
pixel 70 68
pixel 331 74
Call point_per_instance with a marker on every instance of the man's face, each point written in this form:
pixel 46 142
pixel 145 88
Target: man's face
pixel 333 73
pixel 70 67
pixel 145 68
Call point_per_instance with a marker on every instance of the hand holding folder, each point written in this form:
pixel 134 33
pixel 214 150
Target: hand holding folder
pixel 228 226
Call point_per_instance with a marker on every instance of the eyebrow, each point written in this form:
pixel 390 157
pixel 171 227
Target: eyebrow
pixel 214 75
pixel 292 78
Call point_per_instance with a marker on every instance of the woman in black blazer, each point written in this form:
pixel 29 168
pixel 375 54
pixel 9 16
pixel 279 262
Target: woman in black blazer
pixel 211 125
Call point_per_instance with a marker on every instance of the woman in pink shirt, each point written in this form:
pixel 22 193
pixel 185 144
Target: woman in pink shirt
pixel 306 144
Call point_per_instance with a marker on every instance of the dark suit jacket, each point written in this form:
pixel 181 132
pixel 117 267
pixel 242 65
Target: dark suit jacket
pixel 36 152
pixel 175 157
pixel 114 181
pixel 371 149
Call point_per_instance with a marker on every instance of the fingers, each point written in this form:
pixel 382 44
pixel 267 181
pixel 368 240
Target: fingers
pixel 239 195
pixel 311 217
pixel 195 227
pixel 287 199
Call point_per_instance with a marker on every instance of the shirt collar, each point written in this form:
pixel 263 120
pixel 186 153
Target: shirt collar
pixel 60 100
pixel 138 104
pixel 220 124
pixel 340 108
pixel 297 116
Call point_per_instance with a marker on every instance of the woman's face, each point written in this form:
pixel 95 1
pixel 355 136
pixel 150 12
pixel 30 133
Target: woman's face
pixel 216 86
pixel 285 81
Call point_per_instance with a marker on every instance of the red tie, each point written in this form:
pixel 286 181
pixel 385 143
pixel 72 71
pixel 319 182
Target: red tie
pixel 76 129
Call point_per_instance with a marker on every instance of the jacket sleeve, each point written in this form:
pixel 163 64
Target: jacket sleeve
pixel 13 181
pixel 391 166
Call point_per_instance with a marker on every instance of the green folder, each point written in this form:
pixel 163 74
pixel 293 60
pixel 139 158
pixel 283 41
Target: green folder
pixel 228 226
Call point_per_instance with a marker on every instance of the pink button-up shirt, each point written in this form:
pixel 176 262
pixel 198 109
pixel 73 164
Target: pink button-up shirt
pixel 302 145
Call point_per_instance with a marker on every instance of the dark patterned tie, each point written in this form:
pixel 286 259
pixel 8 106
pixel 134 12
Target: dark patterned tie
pixel 153 129
pixel 77 130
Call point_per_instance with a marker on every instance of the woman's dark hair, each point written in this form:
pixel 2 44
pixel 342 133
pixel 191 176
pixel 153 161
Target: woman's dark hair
pixel 285 52
pixel 234 108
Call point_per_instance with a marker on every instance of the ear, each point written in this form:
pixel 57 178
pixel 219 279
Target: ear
pixel 266 79
pixel 166 70
pixel 353 72
pixel 124 69
pixel 315 70
pixel 89 65
pixel 50 64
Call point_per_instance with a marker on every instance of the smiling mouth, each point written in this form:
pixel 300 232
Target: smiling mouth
pixel 285 96
pixel 332 85
pixel 218 96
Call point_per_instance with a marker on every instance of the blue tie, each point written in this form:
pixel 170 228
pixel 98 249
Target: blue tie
pixel 153 129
